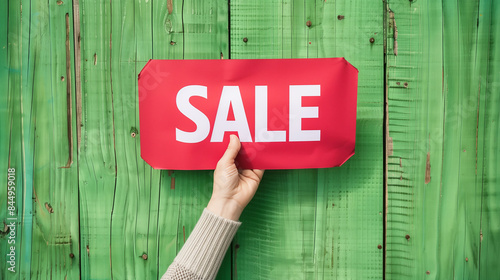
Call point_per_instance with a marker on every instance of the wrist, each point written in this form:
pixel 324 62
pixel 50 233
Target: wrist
pixel 225 208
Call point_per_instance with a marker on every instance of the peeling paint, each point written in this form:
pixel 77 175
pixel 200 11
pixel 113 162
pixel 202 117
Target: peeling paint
pixel 170 6
pixel 390 147
pixel 428 169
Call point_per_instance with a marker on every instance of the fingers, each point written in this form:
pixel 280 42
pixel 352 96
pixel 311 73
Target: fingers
pixel 254 174
pixel 232 150
pixel 259 173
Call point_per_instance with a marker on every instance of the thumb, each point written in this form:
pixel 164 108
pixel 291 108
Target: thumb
pixel 232 150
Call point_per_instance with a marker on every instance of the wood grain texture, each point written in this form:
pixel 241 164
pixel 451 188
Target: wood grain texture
pixel 437 89
pixel 55 184
pixel 317 224
pixel 36 120
pixel 111 216
pixel 12 141
pixel 488 62
pixel 97 155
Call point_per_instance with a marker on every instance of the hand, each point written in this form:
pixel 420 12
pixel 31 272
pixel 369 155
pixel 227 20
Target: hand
pixel 233 188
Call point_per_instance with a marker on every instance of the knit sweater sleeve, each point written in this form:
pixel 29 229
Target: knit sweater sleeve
pixel 204 250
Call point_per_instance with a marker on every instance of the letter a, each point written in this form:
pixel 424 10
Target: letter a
pixel 231 97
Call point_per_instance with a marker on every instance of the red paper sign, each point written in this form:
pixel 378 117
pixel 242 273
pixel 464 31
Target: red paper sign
pixel 288 113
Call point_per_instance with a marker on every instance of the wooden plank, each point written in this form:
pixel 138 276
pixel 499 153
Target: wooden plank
pixel 322 224
pixel 356 188
pixel 38 47
pixel 97 156
pixel 437 118
pixel 19 136
pixel 133 227
pixel 489 130
pixel 55 240
pixel 12 142
pixel 25 126
pixel 5 120
pixel 416 129
pixel 147 178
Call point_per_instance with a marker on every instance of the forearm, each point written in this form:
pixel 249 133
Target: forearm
pixel 204 250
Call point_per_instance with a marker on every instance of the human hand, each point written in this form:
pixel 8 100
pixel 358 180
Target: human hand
pixel 233 188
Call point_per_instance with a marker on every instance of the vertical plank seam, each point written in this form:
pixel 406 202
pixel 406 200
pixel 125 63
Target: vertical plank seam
pixel 183 31
pixel 78 101
pixel 68 97
pixel 385 135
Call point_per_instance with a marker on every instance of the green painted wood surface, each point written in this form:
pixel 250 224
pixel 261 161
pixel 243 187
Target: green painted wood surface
pixel 36 141
pixel 443 97
pixel 110 216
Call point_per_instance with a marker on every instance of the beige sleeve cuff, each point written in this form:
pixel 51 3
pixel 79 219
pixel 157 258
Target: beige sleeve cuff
pixel 204 250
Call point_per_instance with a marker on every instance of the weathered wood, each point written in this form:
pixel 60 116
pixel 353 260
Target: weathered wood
pixel 437 87
pixel 97 155
pixel 38 129
pixel 55 184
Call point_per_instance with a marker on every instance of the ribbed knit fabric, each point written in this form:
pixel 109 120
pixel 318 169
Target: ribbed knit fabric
pixel 204 250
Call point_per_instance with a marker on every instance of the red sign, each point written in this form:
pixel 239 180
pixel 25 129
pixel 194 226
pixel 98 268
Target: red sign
pixel 288 113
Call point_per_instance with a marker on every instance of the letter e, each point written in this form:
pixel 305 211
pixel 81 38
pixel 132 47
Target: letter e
pixel 261 132
pixel 297 113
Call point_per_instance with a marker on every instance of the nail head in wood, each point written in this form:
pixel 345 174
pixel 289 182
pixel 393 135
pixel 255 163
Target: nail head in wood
pixel 308 23
pixel 372 40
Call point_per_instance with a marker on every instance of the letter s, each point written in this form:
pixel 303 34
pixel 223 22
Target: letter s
pixel 188 110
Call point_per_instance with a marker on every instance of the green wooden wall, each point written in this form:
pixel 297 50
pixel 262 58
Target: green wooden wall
pixel 420 199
